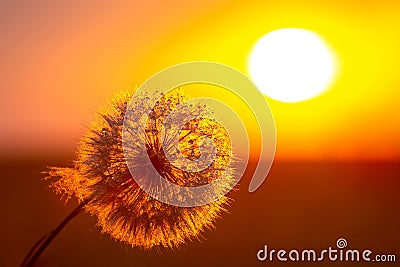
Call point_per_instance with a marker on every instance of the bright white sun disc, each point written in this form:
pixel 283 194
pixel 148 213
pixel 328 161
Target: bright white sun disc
pixel 291 65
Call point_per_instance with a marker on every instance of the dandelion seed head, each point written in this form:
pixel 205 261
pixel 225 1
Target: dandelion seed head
pixel 124 211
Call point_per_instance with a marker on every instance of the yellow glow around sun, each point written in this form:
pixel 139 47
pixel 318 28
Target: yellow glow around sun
pixel 291 65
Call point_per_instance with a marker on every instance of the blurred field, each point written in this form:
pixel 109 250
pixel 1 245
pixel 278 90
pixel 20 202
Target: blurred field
pixel 301 205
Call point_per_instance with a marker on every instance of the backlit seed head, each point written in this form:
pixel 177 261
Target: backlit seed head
pixel 100 174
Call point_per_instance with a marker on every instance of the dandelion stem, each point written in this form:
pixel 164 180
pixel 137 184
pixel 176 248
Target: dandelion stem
pixel 44 242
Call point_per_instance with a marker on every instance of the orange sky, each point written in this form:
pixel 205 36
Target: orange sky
pixel 60 61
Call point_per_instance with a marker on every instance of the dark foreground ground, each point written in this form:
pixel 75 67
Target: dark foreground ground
pixel 300 206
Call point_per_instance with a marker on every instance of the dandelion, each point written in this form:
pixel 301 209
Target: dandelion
pixel 101 181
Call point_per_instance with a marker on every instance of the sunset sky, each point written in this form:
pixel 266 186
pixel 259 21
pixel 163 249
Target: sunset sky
pixel 60 62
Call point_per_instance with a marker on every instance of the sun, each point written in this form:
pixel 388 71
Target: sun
pixel 292 65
